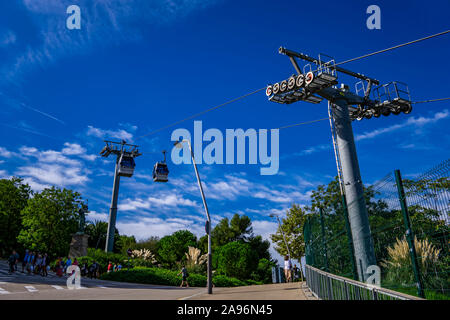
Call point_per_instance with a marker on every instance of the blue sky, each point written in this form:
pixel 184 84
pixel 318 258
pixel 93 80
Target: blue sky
pixel 136 66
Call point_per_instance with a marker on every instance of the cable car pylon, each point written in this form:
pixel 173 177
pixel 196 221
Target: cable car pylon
pixel 125 154
pixel 315 85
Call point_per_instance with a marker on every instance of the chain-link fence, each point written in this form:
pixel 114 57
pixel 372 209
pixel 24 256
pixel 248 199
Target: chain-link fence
pixel 410 229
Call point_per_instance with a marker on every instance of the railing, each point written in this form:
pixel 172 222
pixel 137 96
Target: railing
pixel 328 286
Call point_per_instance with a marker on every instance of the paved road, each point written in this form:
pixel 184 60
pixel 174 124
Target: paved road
pixel 21 286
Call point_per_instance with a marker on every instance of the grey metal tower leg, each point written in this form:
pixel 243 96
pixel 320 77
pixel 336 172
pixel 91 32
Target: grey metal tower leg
pixel 113 213
pixel 358 216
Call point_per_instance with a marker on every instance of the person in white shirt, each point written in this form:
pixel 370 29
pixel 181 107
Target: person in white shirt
pixel 287 268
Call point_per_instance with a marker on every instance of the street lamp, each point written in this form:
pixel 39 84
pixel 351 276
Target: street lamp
pixel 178 144
pixel 285 242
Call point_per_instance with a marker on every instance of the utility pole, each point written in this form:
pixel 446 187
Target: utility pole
pixel 178 144
pixel 125 154
pixel 315 85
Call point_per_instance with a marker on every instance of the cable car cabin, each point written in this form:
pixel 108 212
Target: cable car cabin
pixel 160 172
pixel 126 166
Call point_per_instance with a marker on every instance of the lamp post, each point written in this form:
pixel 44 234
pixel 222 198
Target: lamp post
pixel 285 242
pixel 178 144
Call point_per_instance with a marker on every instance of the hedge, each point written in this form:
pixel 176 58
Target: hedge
pixel 170 278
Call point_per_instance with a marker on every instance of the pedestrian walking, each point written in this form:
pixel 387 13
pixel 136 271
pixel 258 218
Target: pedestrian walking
pixel 110 267
pixel 68 264
pixel 12 262
pixel 45 265
pixel 287 268
pixel 295 271
pixel 25 260
pixel 30 264
pixel 59 267
pixel 16 255
pixel 185 275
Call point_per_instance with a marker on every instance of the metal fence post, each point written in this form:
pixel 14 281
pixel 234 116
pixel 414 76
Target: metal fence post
pixel 409 234
pixel 324 241
pixel 350 238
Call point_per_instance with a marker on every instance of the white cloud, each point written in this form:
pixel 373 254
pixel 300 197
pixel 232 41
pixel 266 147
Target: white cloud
pixel 110 134
pixel 76 149
pixel 411 122
pixel 5 153
pixel 4 174
pixel 50 167
pixel 144 227
pixel 167 200
pixel 94 215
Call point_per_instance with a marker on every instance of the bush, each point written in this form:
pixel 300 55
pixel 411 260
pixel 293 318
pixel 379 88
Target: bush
pixel 236 259
pixel 263 272
pixel 168 277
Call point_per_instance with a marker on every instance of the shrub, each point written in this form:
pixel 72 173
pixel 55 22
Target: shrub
pixel 236 259
pixel 169 277
pixel 398 264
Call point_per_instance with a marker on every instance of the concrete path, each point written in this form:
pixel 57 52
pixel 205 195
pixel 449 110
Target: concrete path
pixel 278 291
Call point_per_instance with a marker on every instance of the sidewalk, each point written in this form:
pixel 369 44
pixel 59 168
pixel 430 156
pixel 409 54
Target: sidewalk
pixel 277 291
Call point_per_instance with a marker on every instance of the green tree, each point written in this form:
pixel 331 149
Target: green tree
pixel 49 220
pixel 124 242
pixel 173 248
pixel 97 232
pixel 13 199
pixel 263 271
pixel 292 226
pixel 150 243
pixel 236 259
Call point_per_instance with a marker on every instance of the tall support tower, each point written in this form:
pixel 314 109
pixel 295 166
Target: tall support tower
pixel 125 154
pixel 315 85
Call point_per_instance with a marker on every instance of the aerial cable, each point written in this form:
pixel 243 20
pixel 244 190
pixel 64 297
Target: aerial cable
pixel 203 112
pixel 394 47
pixel 433 100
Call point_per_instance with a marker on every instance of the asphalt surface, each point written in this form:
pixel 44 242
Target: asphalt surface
pixel 22 286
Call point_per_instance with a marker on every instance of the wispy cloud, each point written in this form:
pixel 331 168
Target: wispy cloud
pixel 411 122
pixel 103 22
pixel 8 38
pixel 110 134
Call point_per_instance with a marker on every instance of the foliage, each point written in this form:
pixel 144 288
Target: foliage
pixel 238 230
pixel 263 271
pixel 49 220
pixel 97 232
pixel 123 242
pixel 172 248
pixel 236 259
pixel 292 227
pixel 13 198
pixel 195 262
pixel 398 265
pixel 150 244
pixel 162 276
pixel 144 254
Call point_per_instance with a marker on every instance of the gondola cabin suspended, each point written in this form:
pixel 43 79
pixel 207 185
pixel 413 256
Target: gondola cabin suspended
pixel 126 165
pixel 160 171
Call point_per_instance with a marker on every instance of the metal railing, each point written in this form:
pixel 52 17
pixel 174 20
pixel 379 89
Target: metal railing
pixel 327 286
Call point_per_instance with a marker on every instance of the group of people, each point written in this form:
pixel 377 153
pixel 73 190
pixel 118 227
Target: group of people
pixel 32 262
pixel 114 268
pixel 38 263
pixel 291 274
